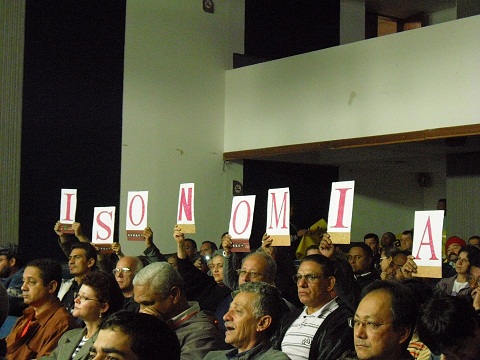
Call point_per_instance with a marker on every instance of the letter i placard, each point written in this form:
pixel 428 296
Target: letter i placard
pixel 427 243
pixel 68 208
pixel 340 212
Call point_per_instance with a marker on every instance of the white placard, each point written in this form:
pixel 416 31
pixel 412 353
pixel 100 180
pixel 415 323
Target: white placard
pixel 241 217
pixel 186 198
pixel 103 225
pixel 278 212
pixel 137 205
pixel 68 206
pixel 341 207
pixel 427 238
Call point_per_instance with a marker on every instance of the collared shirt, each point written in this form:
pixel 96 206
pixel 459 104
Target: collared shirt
pixel 193 310
pixel 298 338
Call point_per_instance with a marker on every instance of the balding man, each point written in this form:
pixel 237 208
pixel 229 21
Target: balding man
pixel 126 269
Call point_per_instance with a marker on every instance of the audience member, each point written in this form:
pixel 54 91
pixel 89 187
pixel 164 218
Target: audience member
pixel 216 268
pixel 387 265
pixel 449 325
pixel 474 279
pixel 452 249
pixel 65 240
pixel 373 241
pixel 11 273
pixel 406 241
pixel 3 304
pixel 388 239
pixel 131 336
pixel 253 317
pixel 191 249
pixel 37 332
pixel 384 321
pixel 150 254
pixel 474 240
pixel 312 249
pixel 127 268
pixel 82 260
pixel 458 284
pixel 360 257
pixel 99 296
pixel 208 248
pixel 318 330
pixel 160 291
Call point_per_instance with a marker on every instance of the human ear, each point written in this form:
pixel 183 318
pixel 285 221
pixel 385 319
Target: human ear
pixel 263 323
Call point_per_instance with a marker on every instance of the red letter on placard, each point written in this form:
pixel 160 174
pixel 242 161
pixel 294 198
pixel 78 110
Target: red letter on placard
pixel 69 200
pixel 278 214
pixel 234 221
pixel 430 242
pixel 341 207
pixel 186 206
pixel 130 211
pixel 103 225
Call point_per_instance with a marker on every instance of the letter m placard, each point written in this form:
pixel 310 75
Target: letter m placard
pixel 278 216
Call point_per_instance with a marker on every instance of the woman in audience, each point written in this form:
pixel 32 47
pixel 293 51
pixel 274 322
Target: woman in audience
pixel 98 297
pixel 216 268
pixel 387 266
pixel 458 284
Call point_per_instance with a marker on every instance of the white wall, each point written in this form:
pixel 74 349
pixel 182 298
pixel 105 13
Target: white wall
pixel 173 115
pixel 414 80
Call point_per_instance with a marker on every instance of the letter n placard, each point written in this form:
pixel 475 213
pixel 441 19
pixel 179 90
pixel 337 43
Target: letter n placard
pixel 186 210
pixel 340 212
pixel 427 243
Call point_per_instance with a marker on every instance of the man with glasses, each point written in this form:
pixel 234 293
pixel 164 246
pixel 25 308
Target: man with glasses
pixel 318 330
pixel 127 268
pixel 384 321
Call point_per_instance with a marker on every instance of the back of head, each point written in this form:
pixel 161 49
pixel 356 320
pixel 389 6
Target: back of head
pixel 160 276
pixel 268 302
pixel 444 321
pixel 390 251
pixel 150 338
pixel 50 270
pixel 106 289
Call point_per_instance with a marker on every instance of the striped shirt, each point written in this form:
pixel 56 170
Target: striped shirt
pixel 299 336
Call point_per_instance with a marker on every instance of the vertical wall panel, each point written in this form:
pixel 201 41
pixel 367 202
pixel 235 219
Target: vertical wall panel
pixel 12 20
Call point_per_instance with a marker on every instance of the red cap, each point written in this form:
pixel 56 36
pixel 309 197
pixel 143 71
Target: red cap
pixel 454 240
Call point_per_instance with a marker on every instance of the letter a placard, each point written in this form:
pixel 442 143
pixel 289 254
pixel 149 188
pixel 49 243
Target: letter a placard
pixel 186 213
pixel 427 243
pixel 241 219
pixel 278 216
pixel 340 212
pixel 103 227
pixel 68 207
pixel 137 205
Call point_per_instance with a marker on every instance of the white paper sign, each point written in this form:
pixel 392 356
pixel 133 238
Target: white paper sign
pixel 186 211
pixel 68 206
pixel 137 205
pixel 427 238
pixel 103 225
pixel 341 207
pixel 278 212
pixel 241 217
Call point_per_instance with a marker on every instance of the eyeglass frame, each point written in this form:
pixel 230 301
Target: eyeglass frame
pixel 121 270
pixel 369 325
pixel 83 298
pixel 252 274
pixel 309 278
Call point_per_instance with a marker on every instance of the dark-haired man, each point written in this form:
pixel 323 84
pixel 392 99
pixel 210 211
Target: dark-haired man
pixel 37 332
pixel 11 272
pixel 130 336
pixel 82 259
pixel 360 258
pixel 384 321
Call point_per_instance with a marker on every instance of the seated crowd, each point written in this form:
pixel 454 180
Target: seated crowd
pixel 360 301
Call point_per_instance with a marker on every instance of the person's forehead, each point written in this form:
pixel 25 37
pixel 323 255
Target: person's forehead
pixel 454 246
pixel 116 342
pixel 78 251
pixel 376 304
pixel 31 271
pixel 370 241
pixel 244 299
pixel 356 251
pixel 206 246
pixel 310 267
pixel 255 261
pixel 144 291
pixel 217 260
pixel 125 262
pixel 406 236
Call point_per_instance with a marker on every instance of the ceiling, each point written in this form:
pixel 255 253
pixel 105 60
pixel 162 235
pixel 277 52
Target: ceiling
pixel 403 9
pixel 417 156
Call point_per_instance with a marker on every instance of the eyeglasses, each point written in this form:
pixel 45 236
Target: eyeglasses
pixel 83 298
pixel 369 325
pixel 124 270
pixel 252 274
pixel 215 266
pixel 310 278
